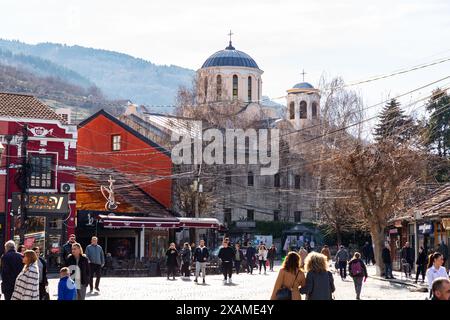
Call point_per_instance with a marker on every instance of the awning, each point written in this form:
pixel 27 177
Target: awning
pixel 138 222
pixel 199 223
pixel 110 221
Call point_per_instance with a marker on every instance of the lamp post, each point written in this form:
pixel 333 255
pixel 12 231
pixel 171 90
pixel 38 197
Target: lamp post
pixel 5 151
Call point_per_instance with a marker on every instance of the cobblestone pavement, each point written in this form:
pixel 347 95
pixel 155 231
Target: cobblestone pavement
pixel 245 287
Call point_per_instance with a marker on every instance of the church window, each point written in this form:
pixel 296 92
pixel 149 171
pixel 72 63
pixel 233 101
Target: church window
pixel 276 180
pixel 235 86
pixel 303 111
pixel 292 110
pixel 249 89
pixel 259 88
pixel 206 88
pixel 219 87
pixel 314 110
pixel 250 179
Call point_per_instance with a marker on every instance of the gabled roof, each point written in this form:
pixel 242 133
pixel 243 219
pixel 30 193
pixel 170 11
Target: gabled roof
pixel 19 105
pixel 125 127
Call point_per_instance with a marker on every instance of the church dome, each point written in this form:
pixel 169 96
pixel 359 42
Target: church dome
pixel 303 85
pixel 230 57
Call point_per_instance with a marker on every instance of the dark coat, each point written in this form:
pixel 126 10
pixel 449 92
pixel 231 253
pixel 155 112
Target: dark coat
pixel 11 266
pixel 241 255
pixel 408 254
pixel 363 266
pixel 186 256
pixel 422 259
pixel 250 254
pixel 83 265
pixel 44 271
pixel 318 286
pixel 66 251
pixel 226 254
pixel 272 254
pixel 201 255
pixel 386 255
pixel 171 257
pixel 367 251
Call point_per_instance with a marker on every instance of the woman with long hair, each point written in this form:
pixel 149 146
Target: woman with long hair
pixel 262 257
pixel 185 260
pixel 358 271
pixel 27 282
pixel 435 269
pixel 78 264
pixel 319 281
pixel 290 276
pixel 171 260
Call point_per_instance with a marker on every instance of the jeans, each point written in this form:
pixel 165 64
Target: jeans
pixel 261 264
pixel 96 270
pixel 227 269
pixel 343 269
pixel 388 270
pixel 237 266
pixel 420 270
pixel 271 262
pixel 200 266
pixel 81 293
pixel 358 281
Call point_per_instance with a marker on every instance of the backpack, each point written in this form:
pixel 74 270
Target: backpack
pixel 356 268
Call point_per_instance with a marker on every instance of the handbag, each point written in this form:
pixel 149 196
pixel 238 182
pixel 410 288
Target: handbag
pixel 286 293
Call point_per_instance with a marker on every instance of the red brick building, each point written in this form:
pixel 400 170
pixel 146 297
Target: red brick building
pixel 31 133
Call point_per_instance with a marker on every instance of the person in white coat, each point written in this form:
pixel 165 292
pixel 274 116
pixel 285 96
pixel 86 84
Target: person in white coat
pixel 435 269
pixel 27 282
pixel 262 257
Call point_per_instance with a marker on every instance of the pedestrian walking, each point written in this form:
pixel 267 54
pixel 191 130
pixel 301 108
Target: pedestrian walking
pixel 290 278
pixel 96 257
pixel 367 252
pixel 66 286
pixel 262 257
pixel 308 246
pixel 250 256
pixel 342 257
pixel 27 282
pixel 201 255
pixel 441 289
pixel 303 254
pixel 238 257
pixel 185 260
pixel 358 271
pixel 326 252
pixel 11 265
pixel 226 255
pixel 435 269
pixel 319 284
pixel 387 261
pixel 67 248
pixel 443 248
pixel 171 260
pixel 271 256
pixel 78 265
pixel 43 281
pixel 21 249
pixel 421 263
pixel 407 255
pixel 108 263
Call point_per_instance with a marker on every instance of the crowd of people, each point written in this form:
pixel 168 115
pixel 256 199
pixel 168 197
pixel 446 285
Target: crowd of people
pixel 231 257
pixel 24 272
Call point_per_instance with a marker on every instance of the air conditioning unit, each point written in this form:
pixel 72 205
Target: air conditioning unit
pixel 67 187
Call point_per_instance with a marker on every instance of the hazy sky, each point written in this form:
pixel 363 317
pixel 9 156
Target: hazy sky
pixel 355 39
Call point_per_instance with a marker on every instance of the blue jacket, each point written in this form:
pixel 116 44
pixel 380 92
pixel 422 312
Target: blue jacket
pixel 67 291
pixel 11 266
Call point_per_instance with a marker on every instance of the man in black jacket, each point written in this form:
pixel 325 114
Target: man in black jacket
pixel 226 254
pixel 67 248
pixel 250 256
pixel 201 255
pixel 43 281
pixel 11 266
pixel 408 259
pixel 387 261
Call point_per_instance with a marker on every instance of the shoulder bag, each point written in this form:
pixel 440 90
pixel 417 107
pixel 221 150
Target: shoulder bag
pixel 286 293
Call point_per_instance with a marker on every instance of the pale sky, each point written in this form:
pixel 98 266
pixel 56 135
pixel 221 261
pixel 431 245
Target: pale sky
pixel 352 38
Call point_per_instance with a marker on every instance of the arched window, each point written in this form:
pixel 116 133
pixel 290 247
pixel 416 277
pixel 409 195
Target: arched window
pixel 259 89
pixel 276 180
pixel 303 110
pixel 250 179
pixel 219 87
pixel 235 87
pixel 292 110
pixel 249 85
pixel 206 87
pixel 314 110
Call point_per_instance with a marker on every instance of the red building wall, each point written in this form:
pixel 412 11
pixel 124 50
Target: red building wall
pixel 144 164
pixel 59 141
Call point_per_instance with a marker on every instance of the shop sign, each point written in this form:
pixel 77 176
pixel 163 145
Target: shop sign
pixel 426 228
pixel 42 202
pixel 446 223
pixel 245 224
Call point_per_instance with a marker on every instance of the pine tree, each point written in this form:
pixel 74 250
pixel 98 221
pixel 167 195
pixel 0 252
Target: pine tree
pixel 394 124
pixel 438 126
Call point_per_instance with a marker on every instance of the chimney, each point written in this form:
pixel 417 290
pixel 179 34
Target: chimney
pixel 131 109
